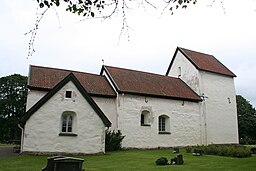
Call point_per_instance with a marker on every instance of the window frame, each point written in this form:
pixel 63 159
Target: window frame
pixel 67 120
pixel 68 94
pixel 67 124
pixel 163 124
pixel 145 118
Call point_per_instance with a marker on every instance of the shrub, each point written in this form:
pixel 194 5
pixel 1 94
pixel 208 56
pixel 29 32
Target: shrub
pixel 113 140
pixel 162 161
pixel 228 150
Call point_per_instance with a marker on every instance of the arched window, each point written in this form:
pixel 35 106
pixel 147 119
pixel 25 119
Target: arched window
pixel 67 127
pixel 67 122
pixel 163 124
pixel 144 118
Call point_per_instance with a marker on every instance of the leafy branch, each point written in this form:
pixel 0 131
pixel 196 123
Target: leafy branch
pixel 103 9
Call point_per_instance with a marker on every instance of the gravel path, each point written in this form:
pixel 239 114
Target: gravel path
pixel 7 151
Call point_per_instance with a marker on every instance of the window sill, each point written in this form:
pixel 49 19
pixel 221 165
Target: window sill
pixel 145 125
pixel 164 133
pixel 67 134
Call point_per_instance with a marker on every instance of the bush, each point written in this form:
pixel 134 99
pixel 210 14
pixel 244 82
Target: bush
pixel 162 161
pixel 113 140
pixel 228 150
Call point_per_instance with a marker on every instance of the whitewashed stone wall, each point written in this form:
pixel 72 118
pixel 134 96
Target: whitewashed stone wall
pixel 220 108
pixel 218 112
pixel 188 72
pixel 108 106
pixel 184 122
pixel 42 130
pixel 33 97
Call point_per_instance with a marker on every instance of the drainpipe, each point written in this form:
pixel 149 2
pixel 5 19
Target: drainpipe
pixel 205 121
pixel 22 138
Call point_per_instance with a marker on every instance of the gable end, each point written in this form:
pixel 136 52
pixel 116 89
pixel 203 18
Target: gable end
pixel 70 77
pixel 203 62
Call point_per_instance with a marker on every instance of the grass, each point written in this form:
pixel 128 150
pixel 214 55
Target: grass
pixel 137 160
pixel 6 144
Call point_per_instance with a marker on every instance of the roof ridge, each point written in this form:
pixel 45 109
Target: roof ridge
pixel 145 72
pixel 196 52
pixel 67 70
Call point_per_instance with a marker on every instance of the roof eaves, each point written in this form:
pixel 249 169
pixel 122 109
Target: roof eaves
pixel 198 96
pixel 161 96
pixel 229 75
pixel 39 88
pixel 104 68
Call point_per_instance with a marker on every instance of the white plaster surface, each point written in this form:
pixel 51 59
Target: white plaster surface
pixel 189 73
pixel 43 128
pixel 108 106
pixel 221 113
pixel 218 115
pixel 184 122
pixel 33 97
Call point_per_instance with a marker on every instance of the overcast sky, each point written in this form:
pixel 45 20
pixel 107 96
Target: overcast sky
pixel 226 31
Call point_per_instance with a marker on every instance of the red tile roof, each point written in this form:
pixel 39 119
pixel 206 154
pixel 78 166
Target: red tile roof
pixel 149 84
pixel 46 78
pixel 206 62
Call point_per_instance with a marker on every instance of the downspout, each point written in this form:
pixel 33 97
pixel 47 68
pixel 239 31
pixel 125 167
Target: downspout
pixel 204 97
pixel 22 138
pixel 205 121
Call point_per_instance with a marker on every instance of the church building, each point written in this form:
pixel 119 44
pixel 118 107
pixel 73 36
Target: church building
pixel 194 103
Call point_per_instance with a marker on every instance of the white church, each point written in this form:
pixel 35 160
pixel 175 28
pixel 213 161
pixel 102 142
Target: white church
pixel 194 103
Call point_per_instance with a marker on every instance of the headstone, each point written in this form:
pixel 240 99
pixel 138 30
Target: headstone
pixel 60 163
pixel 180 160
pixel 198 152
pixel 68 164
pixel 50 163
pixel 177 160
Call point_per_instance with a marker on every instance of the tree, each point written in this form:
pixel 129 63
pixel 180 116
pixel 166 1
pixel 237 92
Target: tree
pixel 101 9
pixel 12 105
pixel 246 120
pixel 90 8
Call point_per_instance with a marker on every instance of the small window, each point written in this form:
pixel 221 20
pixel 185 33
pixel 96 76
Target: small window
pixel 179 70
pixel 163 124
pixel 68 94
pixel 67 122
pixel 144 118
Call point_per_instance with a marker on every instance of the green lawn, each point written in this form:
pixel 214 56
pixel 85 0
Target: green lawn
pixel 137 160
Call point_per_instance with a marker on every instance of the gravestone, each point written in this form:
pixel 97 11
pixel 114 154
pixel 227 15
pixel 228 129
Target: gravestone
pixel 198 152
pixel 60 163
pixel 177 160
